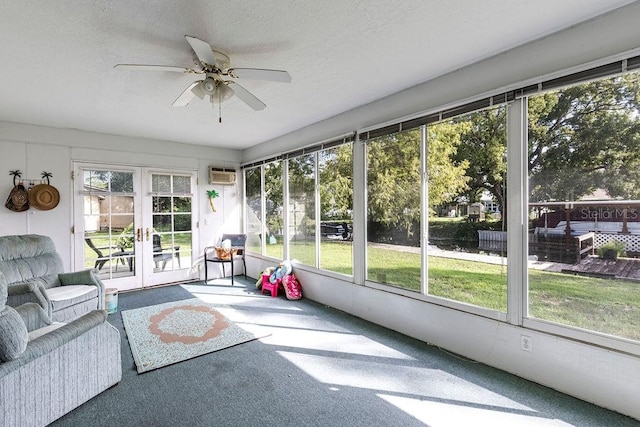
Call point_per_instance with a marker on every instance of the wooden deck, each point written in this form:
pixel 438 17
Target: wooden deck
pixel 623 268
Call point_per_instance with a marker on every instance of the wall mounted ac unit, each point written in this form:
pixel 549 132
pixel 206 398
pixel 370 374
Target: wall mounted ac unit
pixel 222 176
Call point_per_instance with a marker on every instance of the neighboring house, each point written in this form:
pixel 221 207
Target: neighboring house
pixel 462 208
pixel 99 206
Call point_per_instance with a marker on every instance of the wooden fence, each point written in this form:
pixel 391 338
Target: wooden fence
pixel 549 247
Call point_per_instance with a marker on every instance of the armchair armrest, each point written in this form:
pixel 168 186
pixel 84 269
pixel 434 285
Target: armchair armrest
pixel 31 291
pixel 45 343
pixel 84 277
pixel 21 288
pixel 33 316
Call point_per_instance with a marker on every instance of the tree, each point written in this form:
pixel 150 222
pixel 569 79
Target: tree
pixel 483 149
pixel 583 138
pixel 302 193
pixel 335 168
pixel 394 176
pixel 114 181
pixel 448 175
pixel 273 186
pixel 393 181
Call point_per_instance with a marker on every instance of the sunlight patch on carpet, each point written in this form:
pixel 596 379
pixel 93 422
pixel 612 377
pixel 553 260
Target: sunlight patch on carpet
pixel 164 334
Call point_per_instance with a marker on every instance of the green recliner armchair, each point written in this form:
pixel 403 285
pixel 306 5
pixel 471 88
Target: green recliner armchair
pixel 48 368
pixel 34 273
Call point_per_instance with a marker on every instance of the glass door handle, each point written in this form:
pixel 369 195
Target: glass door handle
pixel 148 233
pixel 139 235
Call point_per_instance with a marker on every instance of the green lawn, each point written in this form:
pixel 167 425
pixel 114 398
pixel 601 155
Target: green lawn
pixel 476 283
pixel 334 255
pixel 608 306
pixel 101 241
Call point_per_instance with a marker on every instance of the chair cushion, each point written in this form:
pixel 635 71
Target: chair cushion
pixel 68 295
pixel 13 334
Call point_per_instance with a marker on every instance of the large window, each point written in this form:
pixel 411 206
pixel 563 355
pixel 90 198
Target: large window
pixel 264 211
pixel 393 209
pixel 253 208
pixel 584 206
pixel 319 208
pixel 466 166
pixel 464 199
pixel 335 166
pixel 274 210
pixel 302 209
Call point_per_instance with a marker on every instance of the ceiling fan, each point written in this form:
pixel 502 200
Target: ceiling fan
pixel 220 80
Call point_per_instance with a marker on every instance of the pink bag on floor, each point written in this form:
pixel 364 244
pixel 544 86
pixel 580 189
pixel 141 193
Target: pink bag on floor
pixel 292 288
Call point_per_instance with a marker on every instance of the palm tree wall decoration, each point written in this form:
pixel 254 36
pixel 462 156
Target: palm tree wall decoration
pixel 212 195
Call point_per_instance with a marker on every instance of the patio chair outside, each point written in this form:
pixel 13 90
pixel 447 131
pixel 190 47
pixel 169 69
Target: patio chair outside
pixel 102 259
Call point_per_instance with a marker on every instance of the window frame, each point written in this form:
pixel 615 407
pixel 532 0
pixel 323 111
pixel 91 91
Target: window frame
pixel 517 208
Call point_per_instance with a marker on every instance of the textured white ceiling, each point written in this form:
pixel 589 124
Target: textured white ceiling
pixel 57 57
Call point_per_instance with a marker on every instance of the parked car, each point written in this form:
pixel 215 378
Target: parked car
pixel 329 229
pixel 335 231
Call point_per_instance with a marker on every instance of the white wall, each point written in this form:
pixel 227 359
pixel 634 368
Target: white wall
pixel 599 375
pixel 34 149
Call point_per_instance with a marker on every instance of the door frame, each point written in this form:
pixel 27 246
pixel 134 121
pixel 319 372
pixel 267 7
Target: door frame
pixel 144 275
pixel 184 273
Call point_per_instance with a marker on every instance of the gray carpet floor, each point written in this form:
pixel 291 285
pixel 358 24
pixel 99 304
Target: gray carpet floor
pixel 320 367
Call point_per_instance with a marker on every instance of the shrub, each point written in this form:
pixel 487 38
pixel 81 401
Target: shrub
pixel 612 250
pixel 126 239
pixel 469 230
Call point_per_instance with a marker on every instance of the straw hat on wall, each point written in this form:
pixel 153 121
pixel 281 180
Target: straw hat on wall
pixel 44 197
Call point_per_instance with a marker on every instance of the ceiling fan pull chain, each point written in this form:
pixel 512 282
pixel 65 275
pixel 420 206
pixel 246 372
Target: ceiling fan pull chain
pixel 219 107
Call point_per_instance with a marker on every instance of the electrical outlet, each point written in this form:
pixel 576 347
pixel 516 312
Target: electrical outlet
pixel 525 343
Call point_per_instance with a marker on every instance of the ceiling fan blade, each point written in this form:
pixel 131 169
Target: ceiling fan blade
pixel 247 97
pixel 261 74
pixel 203 50
pixel 142 67
pixel 186 96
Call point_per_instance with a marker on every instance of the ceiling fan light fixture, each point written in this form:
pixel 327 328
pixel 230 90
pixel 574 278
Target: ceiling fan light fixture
pixel 209 85
pixel 218 91
pixel 225 92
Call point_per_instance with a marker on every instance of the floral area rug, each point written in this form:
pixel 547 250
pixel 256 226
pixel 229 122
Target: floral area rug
pixel 164 334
